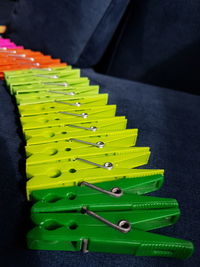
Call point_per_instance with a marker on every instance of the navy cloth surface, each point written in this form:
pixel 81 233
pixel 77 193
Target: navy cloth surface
pixel 75 31
pixel 5 10
pixel 158 42
pixel 168 122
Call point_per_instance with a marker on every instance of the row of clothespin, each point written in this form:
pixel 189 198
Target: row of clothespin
pixel 82 180
pixel 14 57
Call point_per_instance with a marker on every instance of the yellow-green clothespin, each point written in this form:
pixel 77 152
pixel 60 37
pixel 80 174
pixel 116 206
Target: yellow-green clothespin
pixel 65 117
pixel 25 72
pixel 40 76
pixel 116 138
pixel 59 82
pixel 53 153
pixel 60 105
pixel 72 177
pixel 33 95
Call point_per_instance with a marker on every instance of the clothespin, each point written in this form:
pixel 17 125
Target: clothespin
pixel 58 105
pixel 104 232
pixel 25 72
pixel 39 75
pixel 65 82
pixel 51 94
pixel 140 154
pixel 105 217
pixel 14 59
pixel 65 117
pixel 137 186
pixel 54 178
pixel 114 137
pixel 120 195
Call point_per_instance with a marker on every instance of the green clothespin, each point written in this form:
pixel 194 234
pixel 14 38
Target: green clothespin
pixel 146 220
pixel 95 198
pixel 65 117
pixel 107 232
pixel 136 186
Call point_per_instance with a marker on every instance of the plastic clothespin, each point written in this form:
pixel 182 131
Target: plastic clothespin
pixel 58 105
pixel 60 108
pixel 76 163
pixel 69 74
pixel 33 71
pixel 127 207
pixel 65 117
pixel 75 100
pixel 105 233
pixel 58 87
pixel 50 94
pixel 137 186
pixel 107 196
pixel 45 80
pixel 54 178
pixel 116 137
pixel 11 65
pixel 99 125
pixel 48 156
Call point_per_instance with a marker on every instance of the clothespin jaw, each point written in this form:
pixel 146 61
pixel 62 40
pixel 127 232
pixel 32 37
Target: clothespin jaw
pixel 73 232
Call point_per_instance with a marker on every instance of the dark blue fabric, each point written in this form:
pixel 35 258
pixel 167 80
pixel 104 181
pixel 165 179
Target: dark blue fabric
pixel 168 122
pixel 5 10
pixel 158 43
pixel 75 31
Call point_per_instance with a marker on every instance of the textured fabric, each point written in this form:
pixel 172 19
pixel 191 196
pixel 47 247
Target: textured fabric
pixel 75 31
pixel 158 43
pixel 5 10
pixel 168 122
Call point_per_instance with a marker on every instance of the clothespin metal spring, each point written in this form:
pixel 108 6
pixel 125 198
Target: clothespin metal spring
pixel 62 93
pixel 107 165
pixel 99 144
pixel 122 226
pixel 92 128
pixel 115 191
